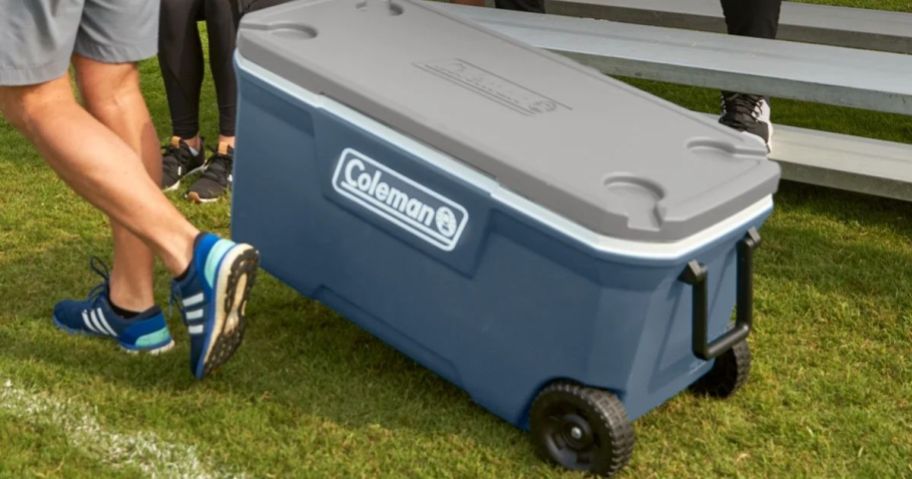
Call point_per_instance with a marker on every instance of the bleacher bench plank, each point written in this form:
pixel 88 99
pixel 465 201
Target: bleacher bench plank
pixel 800 22
pixel 845 162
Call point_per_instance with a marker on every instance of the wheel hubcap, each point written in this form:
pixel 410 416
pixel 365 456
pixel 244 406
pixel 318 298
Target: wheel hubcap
pixel 576 431
pixel 569 439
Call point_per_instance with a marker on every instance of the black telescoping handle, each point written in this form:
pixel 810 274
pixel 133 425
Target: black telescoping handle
pixel 695 275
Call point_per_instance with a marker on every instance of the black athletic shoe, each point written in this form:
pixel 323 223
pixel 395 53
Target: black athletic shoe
pixel 216 178
pixel 748 113
pixel 178 161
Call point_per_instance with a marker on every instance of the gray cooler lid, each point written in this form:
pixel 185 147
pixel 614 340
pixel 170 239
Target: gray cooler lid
pixel 612 158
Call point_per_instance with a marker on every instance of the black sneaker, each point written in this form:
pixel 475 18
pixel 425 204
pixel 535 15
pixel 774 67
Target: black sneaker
pixel 748 113
pixel 216 178
pixel 179 161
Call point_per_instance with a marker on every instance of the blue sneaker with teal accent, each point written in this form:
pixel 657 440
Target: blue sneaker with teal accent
pixel 212 295
pixel 147 332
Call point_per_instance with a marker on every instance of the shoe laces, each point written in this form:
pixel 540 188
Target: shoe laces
pixel 176 156
pixel 175 297
pixel 101 269
pixel 219 167
pixel 738 104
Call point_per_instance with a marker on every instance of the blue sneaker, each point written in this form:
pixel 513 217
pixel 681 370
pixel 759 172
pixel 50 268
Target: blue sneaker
pixel 147 332
pixel 213 297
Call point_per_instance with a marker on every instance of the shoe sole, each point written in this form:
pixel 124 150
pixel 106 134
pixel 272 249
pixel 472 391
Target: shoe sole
pixel 128 349
pixel 225 330
pixel 172 187
pixel 769 144
pixel 194 197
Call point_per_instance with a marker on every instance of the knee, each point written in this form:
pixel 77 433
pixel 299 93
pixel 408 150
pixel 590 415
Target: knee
pixel 107 86
pixel 22 106
pixel 11 106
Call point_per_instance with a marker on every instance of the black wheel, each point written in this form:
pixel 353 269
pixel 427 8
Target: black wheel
pixel 728 374
pixel 582 428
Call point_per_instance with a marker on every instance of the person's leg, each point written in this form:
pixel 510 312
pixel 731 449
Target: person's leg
pixel 744 111
pixel 111 94
pixel 214 283
pixel 221 25
pixel 38 39
pixel 535 6
pixel 180 58
pixel 99 166
pixel 752 18
pixel 213 276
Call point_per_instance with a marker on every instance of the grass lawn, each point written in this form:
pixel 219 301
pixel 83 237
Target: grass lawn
pixel 310 395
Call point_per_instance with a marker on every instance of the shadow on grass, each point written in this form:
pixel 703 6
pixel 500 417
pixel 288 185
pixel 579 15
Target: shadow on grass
pixel 302 359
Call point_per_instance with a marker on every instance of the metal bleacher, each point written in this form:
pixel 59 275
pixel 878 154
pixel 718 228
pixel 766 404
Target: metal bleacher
pixel 818 72
pixel 800 22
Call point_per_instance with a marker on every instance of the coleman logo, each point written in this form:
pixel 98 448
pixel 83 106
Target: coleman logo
pixel 413 207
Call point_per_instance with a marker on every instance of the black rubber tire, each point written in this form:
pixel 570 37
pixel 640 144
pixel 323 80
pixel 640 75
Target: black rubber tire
pixel 728 374
pixel 607 438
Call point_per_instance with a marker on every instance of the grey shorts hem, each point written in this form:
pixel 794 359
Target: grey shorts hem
pixel 115 54
pixel 23 76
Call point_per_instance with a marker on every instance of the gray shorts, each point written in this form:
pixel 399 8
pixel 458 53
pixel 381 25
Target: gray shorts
pixel 38 37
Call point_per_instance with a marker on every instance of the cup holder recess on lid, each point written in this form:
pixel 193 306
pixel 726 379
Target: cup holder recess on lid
pixel 293 31
pixel 637 197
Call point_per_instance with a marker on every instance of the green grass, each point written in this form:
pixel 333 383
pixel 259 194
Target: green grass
pixel 310 395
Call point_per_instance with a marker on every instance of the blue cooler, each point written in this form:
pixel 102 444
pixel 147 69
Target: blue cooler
pixel 564 247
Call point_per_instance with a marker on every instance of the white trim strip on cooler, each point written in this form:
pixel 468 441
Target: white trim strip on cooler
pixel 630 248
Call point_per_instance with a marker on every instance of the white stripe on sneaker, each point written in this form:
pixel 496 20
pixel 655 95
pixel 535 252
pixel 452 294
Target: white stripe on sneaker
pixel 95 326
pixel 195 314
pixel 193 300
pixel 104 322
pixel 88 324
pixel 195 329
pixel 96 323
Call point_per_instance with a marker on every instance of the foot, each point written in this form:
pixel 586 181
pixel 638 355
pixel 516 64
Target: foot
pixel 213 295
pixel 178 161
pixel 94 316
pixel 216 179
pixel 749 114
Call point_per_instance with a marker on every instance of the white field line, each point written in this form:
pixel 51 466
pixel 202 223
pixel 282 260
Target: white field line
pixel 146 451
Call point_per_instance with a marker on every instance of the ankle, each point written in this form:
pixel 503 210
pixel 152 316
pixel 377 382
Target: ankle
pixel 124 313
pixel 129 301
pixel 196 142
pixel 177 260
pixel 226 140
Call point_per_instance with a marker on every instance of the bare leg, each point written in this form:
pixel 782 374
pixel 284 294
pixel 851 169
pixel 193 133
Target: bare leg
pixel 112 96
pixel 100 166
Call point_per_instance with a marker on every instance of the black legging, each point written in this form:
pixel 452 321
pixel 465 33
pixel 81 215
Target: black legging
pixel 180 55
pixel 751 18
